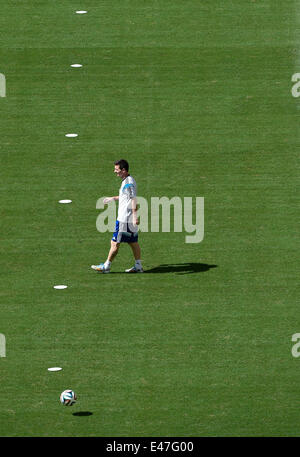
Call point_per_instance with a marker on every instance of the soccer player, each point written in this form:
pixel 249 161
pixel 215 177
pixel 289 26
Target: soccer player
pixel 126 230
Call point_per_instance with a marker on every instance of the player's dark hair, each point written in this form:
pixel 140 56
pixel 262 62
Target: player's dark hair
pixel 122 164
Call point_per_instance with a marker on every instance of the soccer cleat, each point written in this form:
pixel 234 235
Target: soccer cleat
pixel 134 270
pixel 100 268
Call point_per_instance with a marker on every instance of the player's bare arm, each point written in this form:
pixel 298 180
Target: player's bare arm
pixel 135 218
pixel 110 199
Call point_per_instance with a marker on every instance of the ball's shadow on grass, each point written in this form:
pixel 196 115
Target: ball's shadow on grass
pixel 82 413
pixel 181 268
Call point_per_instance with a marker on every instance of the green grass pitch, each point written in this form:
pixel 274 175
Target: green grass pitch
pixel 197 96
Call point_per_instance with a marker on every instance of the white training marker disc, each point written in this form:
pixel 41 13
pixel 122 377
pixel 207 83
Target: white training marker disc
pixel 76 65
pixel 65 201
pixel 81 12
pixel 61 286
pixel 71 135
pixel 54 369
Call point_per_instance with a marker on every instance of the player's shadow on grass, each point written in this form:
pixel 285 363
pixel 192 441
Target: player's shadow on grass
pixel 83 413
pixel 181 268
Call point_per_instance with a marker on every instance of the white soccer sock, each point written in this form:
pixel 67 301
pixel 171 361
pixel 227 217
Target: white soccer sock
pixel 138 263
pixel 107 264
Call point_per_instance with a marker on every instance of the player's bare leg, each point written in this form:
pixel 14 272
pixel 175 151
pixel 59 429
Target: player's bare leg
pixel 136 250
pixel 105 267
pixel 114 248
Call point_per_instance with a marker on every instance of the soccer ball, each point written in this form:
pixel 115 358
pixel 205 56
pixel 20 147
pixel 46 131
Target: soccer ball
pixel 68 397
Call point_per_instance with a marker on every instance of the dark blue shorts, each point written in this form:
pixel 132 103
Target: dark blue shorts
pixel 123 233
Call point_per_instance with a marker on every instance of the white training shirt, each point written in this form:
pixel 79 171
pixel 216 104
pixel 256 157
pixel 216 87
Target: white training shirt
pixel 126 194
